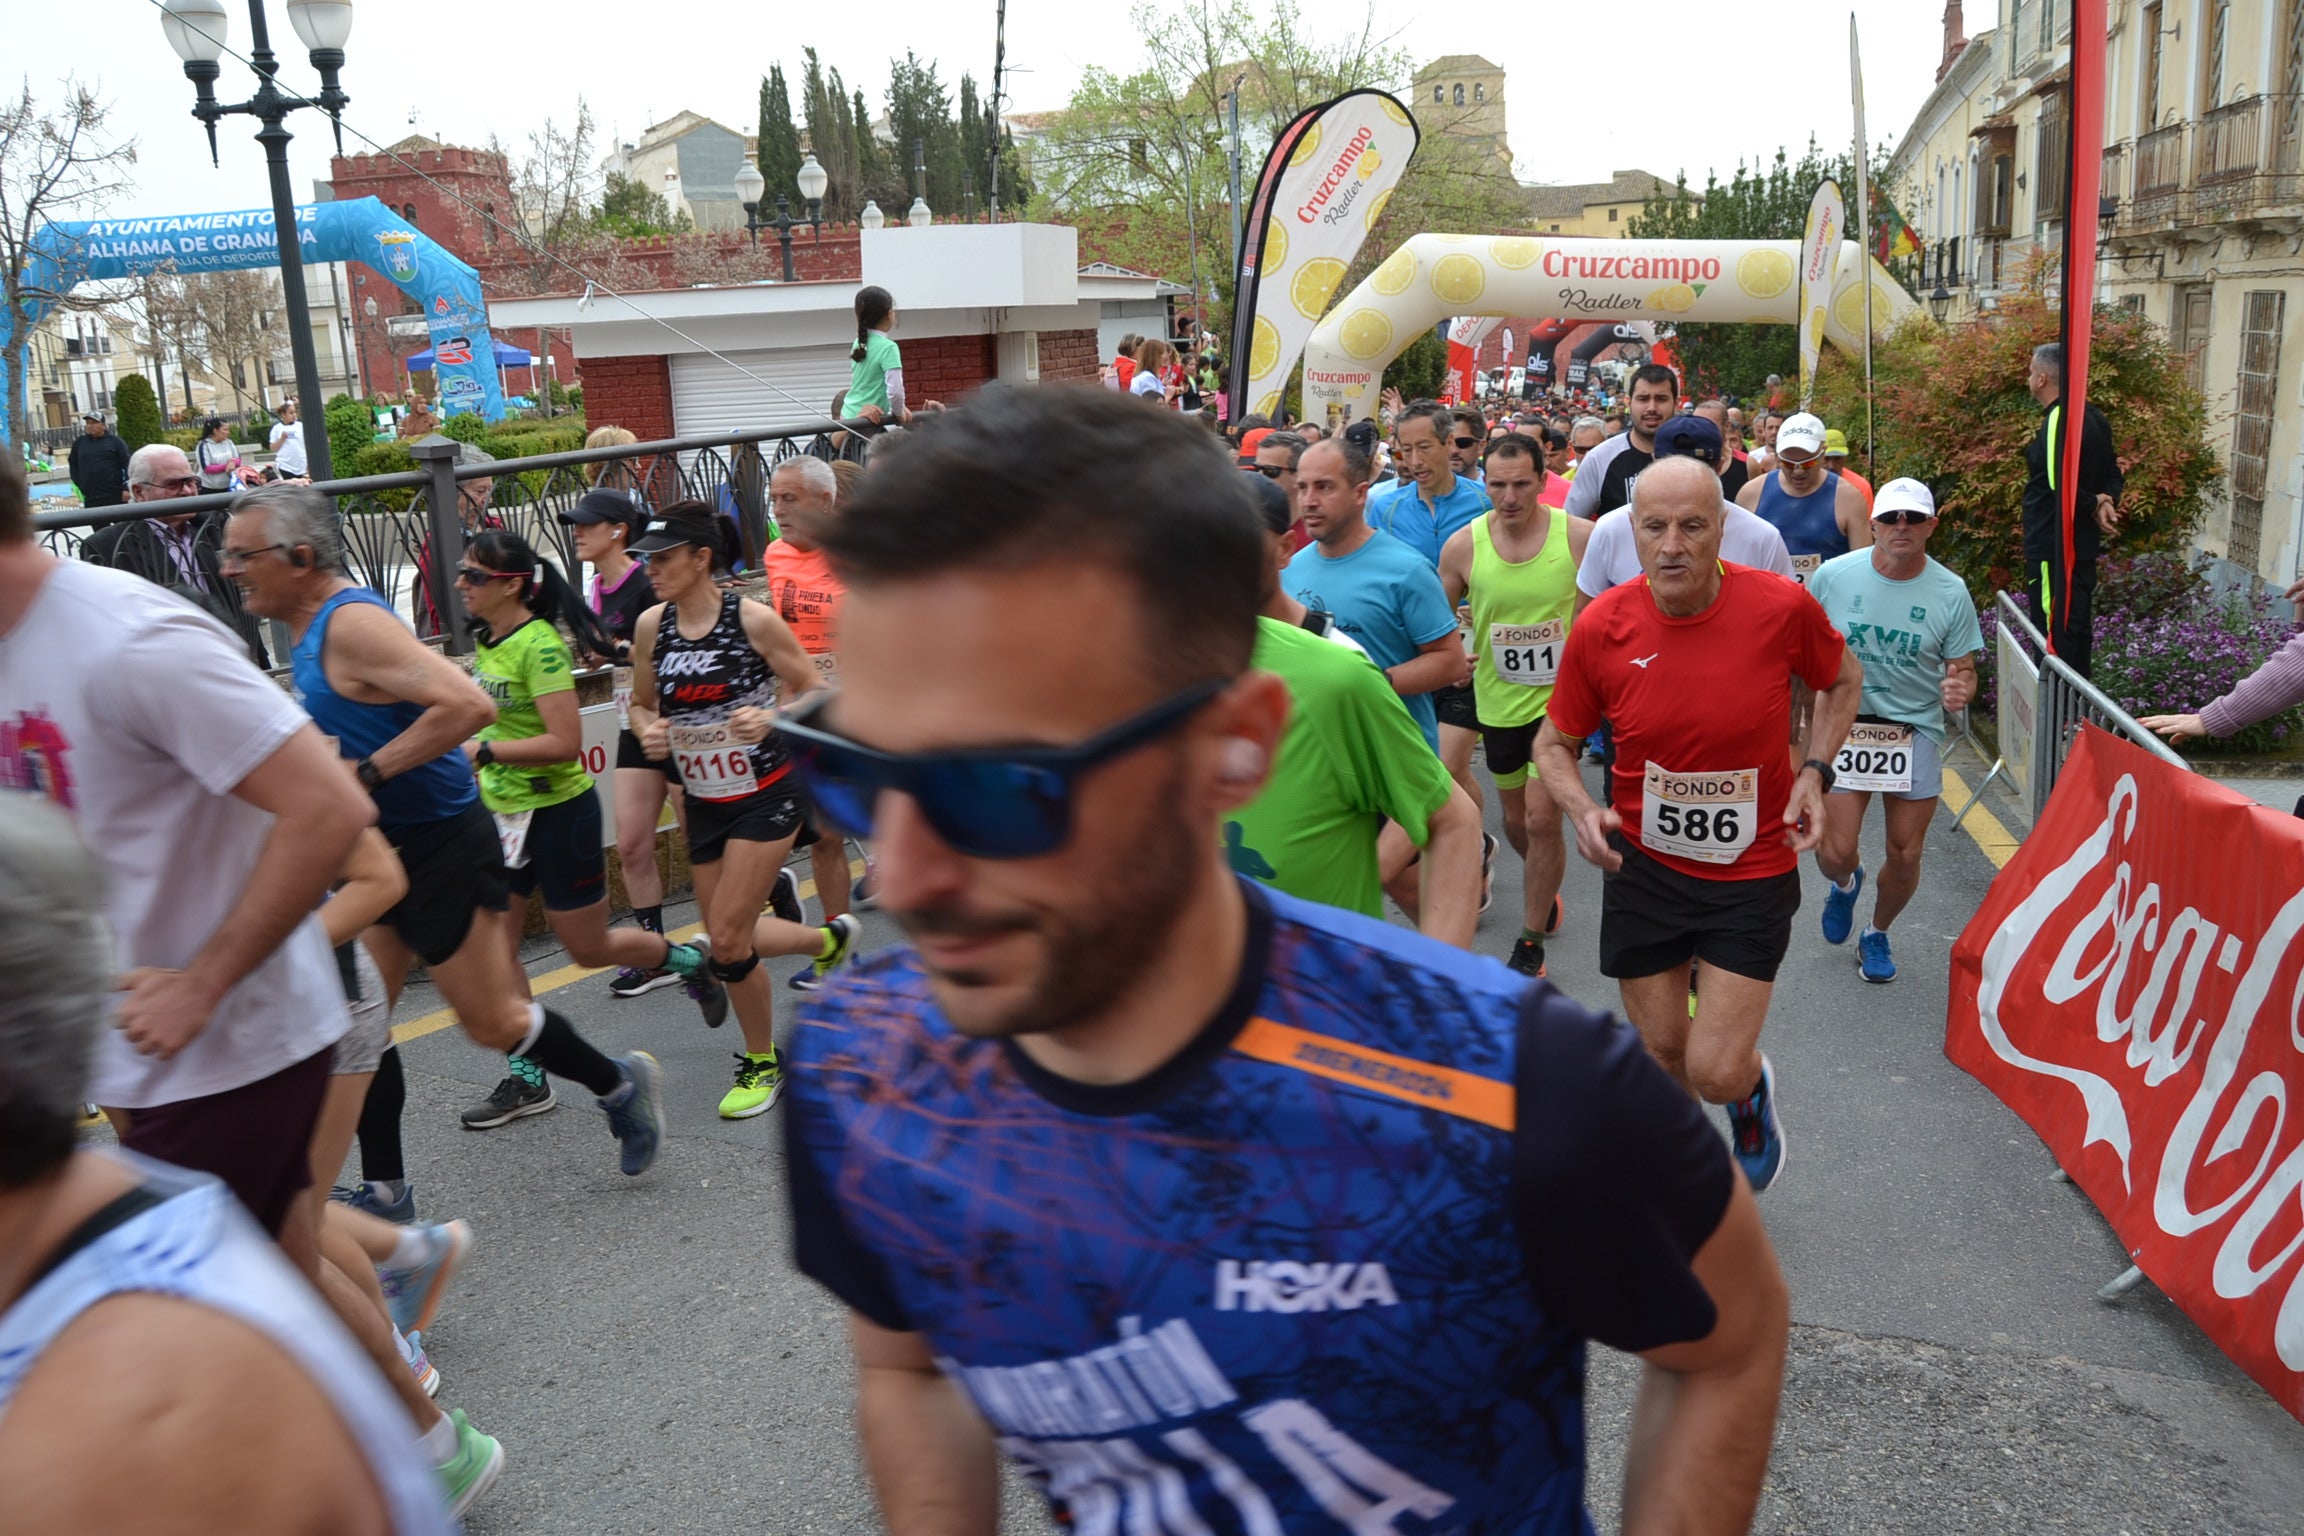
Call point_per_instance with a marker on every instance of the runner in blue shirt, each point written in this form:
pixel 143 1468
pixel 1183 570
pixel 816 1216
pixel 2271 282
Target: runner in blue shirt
pixel 1430 501
pixel 1217 1210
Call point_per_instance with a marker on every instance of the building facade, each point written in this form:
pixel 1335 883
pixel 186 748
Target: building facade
pixel 1462 95
pixel 1600 209
pixel 693 162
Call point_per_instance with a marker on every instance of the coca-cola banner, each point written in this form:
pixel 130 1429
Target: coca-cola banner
pixel 2133 986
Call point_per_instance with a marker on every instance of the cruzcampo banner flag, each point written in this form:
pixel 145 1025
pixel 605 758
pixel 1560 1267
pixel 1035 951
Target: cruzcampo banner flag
pixel 1819 255
pixel 1324 187
pixel 1891 236
pixel 1466 335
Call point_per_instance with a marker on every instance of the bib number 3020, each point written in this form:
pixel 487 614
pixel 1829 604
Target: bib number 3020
pixel 1875 758
pixel 1708 817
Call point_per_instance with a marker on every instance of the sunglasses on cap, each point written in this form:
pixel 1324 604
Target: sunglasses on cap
pixel 1912 516
pixel 984 802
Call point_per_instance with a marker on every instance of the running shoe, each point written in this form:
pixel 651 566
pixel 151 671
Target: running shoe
pixel 635 980
pixel 1557 916
pixel 707 991
pixel 1527 956
pixel 512 1098
pixel 473 1470
pixel 759 1082
pixel 1487 869
pixel 412 1293
pixel 866 895
pixel 391 1200
pixel 1872 958
pixel 1840 908
pixel 1755 1134
pixel 419 1365
pixel 784 897
pixel 845 931
pixel 636 1111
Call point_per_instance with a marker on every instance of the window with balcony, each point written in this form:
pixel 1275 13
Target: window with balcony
pixel 1996 181
pixel 2051 158
pixel 2148 75
pixel 2212 54
pixel 2252 427
pixel 2288 123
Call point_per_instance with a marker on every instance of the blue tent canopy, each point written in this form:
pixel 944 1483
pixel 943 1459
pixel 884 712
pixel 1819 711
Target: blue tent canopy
pixel 506 357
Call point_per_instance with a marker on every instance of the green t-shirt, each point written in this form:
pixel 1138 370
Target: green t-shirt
pixel 1902 632
pixel 517 670
pixel 868 375
pixel 1351 759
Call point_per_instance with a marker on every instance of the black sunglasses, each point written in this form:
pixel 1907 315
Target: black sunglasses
pixel 1270 471
pixel 476 576
pixel 1465 442
pixel 985 802
pixel 1911 516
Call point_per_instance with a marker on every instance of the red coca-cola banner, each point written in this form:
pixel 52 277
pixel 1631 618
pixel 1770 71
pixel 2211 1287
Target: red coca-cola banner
pixel 2132 987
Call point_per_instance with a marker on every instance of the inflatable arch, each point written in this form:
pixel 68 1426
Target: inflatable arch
pixel 361 229
pixel 1432 277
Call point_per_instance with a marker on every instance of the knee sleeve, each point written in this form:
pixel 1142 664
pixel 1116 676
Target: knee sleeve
pixel 732 970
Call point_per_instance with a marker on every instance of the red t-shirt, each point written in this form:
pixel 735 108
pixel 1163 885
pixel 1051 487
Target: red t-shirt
pixel 806 595
pixel 1706 700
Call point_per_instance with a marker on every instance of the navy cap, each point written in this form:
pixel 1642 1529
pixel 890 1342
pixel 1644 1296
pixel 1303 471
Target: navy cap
pixel 1693 437
pixel 603 506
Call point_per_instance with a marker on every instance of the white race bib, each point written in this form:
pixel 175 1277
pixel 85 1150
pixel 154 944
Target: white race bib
pixel 1708 817
pixel 1527 654
pixel 712 762
pixel 1805 566
pixel 512 836
pixel 620 680
pixel 1876 758
pixel 827 668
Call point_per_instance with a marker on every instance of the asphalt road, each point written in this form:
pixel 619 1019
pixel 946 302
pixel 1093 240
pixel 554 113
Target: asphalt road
pixel 652 1362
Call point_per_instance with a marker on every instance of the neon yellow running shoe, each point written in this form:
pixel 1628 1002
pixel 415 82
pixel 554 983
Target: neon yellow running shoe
pixel 759 1081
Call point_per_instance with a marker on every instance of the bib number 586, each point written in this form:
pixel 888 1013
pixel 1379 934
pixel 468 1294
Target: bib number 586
pixel 1695 824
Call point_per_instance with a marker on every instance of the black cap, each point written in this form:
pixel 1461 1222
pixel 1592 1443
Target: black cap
pixel 660 535
pixel 599 506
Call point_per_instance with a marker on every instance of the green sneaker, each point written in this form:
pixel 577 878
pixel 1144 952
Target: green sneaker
pixel 479 1459
pixel 842 933
pixel 759 1080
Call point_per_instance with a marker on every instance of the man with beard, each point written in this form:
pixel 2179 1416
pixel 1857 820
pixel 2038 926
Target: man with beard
pixel 1091 1159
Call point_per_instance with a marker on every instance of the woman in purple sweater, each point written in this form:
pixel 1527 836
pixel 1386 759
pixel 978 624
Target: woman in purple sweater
pixel 2263 693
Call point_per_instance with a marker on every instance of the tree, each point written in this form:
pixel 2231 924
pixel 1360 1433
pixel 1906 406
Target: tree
pixel 554 189
pixel 351 427
pixel 630 208
pixel 52 163
pixel 920 122
pixel 1421 367
pixel 778 155
pixel 879 177
pixel 242 327
pixel 138 411
pixel 167 321
pixel 831 119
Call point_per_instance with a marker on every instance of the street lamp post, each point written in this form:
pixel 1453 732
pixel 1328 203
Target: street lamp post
pixel 197 30
pixel 752 187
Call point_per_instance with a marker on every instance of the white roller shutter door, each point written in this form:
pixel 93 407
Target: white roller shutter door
pixel 752 390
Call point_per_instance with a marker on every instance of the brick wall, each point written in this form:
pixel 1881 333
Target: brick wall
pixel 1069 357
pixel 634 393
pixel 942 368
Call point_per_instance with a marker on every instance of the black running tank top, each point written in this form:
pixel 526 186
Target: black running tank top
pixel 703 682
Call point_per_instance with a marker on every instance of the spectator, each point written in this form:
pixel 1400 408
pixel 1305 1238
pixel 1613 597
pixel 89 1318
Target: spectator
pixel 472 498
pixel 2068 618
pixel 1154 359
pixel 177 550
pixel 2263 693
pixel 419 423
pixel 288 444
pixel 99 464
pixel 216 458
pixel 1122 374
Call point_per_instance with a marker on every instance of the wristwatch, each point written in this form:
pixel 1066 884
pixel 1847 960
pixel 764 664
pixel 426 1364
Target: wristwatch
pixel 487 755
pixel 370 776
pixel 1824 772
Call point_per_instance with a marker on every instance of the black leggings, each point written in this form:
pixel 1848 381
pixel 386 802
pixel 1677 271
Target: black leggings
pixel 380 1156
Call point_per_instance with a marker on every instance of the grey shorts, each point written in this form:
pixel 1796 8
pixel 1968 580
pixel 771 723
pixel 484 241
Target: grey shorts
pixel 1927 772
pixel 364 1044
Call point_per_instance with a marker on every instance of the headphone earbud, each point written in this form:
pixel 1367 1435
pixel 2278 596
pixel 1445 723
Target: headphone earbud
pixel 1242 763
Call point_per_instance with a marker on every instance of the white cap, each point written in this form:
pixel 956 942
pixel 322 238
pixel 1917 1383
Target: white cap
pixel 1906 495
pixel 1803 431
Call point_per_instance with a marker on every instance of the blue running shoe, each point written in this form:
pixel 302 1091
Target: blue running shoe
pixel 378 1198
pixel 1755 1134
pixel 1840 908
pixel 1872 959
pixel 636 1111
pixel 413 1294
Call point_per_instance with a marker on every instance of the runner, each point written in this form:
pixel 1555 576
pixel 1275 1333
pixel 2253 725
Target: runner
pixel 1612 557
pixel 1246 1162
pixel 162 1366
pixel 1517 564
pixel 1585 433
pixel 1351 761
pixel 1836 463
pixel 1820 514
pixel 531 769
pixel 1467 439
pixel 704 666
pixel 1732 466
pixel 1692 668
pixel 401 712
pixel 1913 626
pixel 1605 474
pixel 806 596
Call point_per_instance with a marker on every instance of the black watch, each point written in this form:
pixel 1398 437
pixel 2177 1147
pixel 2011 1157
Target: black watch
pixel 1824 772
pixel 485 756
pixel 371 777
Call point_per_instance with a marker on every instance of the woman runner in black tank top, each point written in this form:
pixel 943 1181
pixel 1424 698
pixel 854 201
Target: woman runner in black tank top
pixel 705 669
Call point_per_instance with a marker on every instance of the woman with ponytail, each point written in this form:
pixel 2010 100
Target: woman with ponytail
pixel 530 762
pixel 876 365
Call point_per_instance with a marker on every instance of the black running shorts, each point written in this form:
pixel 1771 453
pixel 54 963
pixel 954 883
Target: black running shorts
pixel 1654 919
pixel 565 859
pixel 1511 751
pixel 455 868
pixel 1456 706
pixel 630 754
pixel 770 816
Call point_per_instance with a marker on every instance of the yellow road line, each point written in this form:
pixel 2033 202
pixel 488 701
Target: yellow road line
pixel 1997 842
pixel 566 976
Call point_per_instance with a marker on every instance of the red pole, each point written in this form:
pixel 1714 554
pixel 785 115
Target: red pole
pixel 2085 132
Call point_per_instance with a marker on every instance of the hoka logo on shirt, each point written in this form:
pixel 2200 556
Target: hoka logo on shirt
pixel 1286 1286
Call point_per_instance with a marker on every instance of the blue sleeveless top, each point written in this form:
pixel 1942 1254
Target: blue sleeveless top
pixel 1807 522
pixel 435 791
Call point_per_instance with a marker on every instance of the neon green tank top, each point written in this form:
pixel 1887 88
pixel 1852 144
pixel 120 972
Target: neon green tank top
pixel 1519 623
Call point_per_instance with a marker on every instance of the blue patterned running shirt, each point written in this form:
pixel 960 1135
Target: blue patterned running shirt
pixel 1330 1269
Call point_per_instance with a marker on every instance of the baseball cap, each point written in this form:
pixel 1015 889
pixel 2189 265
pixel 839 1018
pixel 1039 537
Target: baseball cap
pixel 1801 431
pixel 1835 444
pixel 597 506
pixel 1249 441
pixel 1904 495
pixel 92 416
pixel 1693 437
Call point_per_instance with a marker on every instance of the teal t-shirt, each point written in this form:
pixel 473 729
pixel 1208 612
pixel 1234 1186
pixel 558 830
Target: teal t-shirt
pixel 868 375
pixel 531 661
pixel 1902 632
pixel 1350 760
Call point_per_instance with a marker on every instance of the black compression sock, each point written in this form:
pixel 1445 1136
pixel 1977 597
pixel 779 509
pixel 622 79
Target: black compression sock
pixel 559 1050
pixel 380 1156
pixel 650 918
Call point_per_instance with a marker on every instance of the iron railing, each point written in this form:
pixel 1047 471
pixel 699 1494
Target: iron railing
pixel 393 523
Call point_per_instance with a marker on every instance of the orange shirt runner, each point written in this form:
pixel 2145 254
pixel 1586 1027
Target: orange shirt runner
pixel 806 595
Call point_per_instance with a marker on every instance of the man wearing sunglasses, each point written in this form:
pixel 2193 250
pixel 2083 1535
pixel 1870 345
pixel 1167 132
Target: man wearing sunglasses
pixel 1429 501
pixel 1467 440
pixel 1820 514
pixel 1275 460
pixel 1109 1164
pixel 1913 625
pixel 174 550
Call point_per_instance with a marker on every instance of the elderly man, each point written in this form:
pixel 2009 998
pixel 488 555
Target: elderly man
pixel 806 594
pixel 1693 670
pixel 174 550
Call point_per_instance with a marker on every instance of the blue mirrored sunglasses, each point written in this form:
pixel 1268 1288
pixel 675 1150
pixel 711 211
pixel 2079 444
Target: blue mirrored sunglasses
pixel 985 802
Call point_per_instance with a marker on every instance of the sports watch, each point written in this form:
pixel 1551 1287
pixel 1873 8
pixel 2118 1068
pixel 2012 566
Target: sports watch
pixel 371 777
pixel 1824 772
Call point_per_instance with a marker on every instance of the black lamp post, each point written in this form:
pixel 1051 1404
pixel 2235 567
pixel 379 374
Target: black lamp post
pixel 1941 302
pixel 197 30
pixel 752 187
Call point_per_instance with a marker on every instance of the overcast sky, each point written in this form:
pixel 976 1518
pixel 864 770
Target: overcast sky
pixel 1663 86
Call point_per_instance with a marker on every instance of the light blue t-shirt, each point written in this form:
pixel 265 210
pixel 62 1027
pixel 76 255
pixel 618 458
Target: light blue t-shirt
pixel 1386 597
pixel 1902 632
pixel 1399 510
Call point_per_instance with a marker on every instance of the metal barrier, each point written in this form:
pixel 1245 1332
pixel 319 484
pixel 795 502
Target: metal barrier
pixel 393 523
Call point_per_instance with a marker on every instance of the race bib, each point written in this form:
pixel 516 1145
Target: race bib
pixel 1805 566
pixel 712 762
pixel 512 837
pixel 827 668
pixel 620 681
pixel 1877 758
pixel 1708 817
pixel 1527 654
